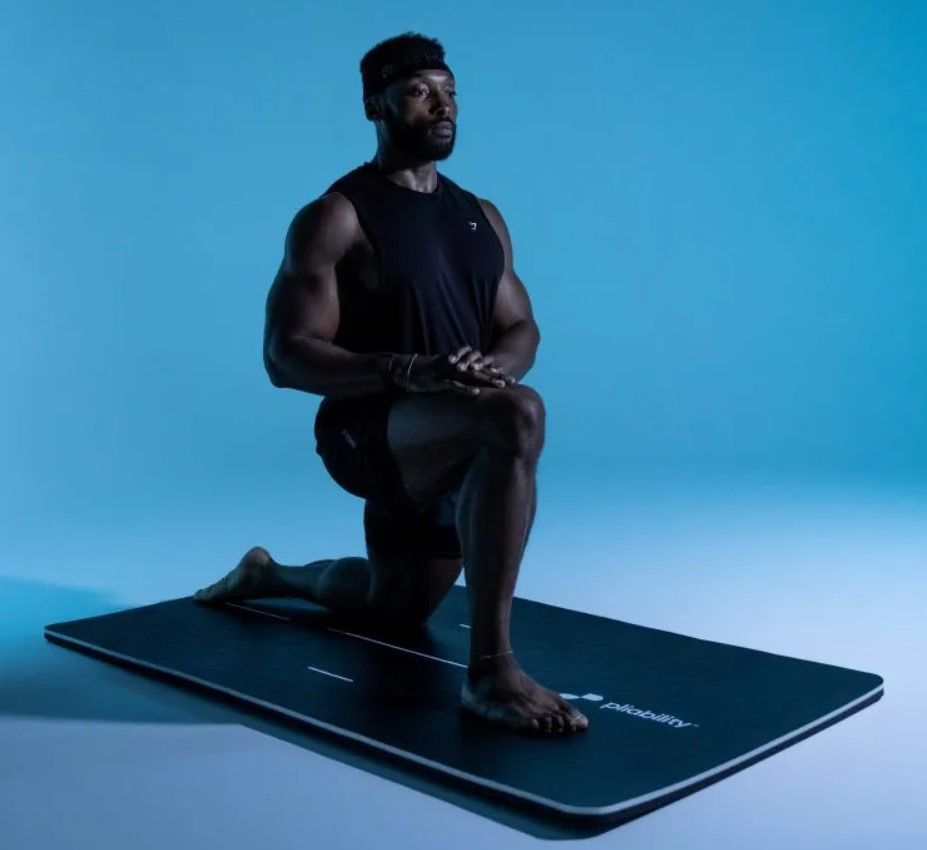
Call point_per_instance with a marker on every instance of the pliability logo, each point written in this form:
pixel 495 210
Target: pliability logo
pixel 627 708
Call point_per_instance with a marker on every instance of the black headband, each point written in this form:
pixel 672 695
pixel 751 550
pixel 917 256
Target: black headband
pixel 377 79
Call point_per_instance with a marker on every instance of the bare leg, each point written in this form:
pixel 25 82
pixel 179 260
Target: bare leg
pixel 532 510
pixel 494 519
pixel 340 584
pixel 495 510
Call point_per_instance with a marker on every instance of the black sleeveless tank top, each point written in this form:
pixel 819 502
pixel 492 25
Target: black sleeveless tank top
pixel 440 262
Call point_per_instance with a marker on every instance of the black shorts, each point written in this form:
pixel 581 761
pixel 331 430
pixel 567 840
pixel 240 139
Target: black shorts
pixel 351 440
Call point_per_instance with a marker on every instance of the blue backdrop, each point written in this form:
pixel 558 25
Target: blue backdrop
pixel 718 210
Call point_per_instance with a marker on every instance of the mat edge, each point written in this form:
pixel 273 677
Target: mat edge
pixel 634 806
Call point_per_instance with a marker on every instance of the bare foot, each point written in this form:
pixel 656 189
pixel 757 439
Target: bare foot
pixel 250 579
pixel 507 695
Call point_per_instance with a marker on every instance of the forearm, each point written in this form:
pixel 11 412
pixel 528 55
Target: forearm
pixel 319 367
pixel 514 350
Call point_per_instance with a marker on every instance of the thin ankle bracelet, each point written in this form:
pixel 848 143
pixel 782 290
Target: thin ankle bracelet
pixel 497 655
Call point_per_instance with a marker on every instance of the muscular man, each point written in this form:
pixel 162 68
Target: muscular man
pixel 397 301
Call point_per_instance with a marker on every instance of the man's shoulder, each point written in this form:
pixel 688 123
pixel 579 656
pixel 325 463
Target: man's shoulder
pixel 330 218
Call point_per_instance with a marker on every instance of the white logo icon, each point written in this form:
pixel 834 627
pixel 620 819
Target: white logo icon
pixel 472 225
pixel 348 437
pixel 634 711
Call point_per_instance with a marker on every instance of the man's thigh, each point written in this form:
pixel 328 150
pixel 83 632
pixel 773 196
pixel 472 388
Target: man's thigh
pixel 433 438
pixel 409 452
pixel 352 442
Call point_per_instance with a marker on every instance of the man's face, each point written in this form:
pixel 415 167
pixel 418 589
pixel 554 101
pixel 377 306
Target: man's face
pixel 420 115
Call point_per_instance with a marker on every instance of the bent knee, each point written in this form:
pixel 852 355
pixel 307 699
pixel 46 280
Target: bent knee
pixel 515 418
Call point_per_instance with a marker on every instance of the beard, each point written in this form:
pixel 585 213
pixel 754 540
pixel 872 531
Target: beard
pixel 420 142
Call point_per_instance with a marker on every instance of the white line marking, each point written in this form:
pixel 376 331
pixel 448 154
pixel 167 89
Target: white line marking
pixel 463 625
pixel 258 611
pixel 352 634
pixel 400 648
pixel 334 675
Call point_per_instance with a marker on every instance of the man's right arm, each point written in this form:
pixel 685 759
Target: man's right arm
pixel 303 309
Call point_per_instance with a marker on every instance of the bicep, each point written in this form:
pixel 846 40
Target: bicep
pixel 512 304
pixel 306 297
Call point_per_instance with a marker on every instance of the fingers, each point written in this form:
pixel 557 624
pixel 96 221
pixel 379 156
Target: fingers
pixel 499 377
pixel 455 355
pixel 464 388
pixel 481 379
pixel 507 380
pixel 474 362
pixel 465 358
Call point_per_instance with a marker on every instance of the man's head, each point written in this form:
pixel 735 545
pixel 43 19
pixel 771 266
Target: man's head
pixel 409 93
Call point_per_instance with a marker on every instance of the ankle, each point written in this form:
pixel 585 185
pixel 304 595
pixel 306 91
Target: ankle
pixel 491 664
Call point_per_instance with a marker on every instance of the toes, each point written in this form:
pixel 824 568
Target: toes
pixel 579 721
pixel 574 717
pixel 212 592
pixel 557 723
pixel 553 723
pixel 540 716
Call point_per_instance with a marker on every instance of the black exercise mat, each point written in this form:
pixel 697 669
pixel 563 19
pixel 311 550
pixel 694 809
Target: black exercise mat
pixel 668 714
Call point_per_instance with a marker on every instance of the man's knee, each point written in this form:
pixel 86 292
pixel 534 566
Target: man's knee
pixel 516 418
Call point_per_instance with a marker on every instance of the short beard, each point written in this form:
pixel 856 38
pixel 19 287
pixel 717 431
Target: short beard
pixel 419 143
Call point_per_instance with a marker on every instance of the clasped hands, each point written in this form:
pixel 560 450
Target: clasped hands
pixel 469 360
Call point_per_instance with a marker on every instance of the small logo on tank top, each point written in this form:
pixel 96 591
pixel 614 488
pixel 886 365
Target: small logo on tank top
pixel 471 225
pixel 349 438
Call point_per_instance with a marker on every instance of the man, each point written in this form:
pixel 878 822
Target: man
pixel 397 301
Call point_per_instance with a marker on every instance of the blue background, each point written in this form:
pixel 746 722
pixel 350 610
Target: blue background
pixel 717 208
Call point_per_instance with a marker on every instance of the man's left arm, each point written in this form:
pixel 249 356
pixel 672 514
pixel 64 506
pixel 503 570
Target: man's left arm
pixel 514 335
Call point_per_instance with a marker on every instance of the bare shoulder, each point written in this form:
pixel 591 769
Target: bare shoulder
pixel 326 227
pixel 498 224
pixel 492 213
